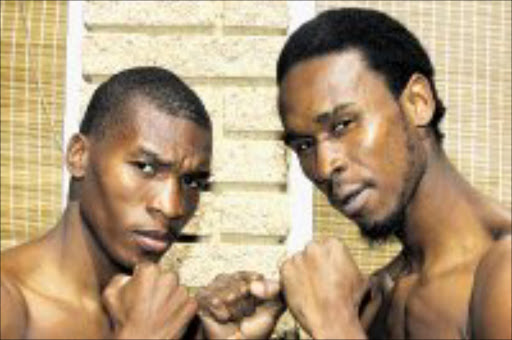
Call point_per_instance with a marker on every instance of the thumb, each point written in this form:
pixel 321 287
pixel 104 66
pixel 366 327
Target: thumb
pixel 111 297
pixel 260 324
pixel 113 288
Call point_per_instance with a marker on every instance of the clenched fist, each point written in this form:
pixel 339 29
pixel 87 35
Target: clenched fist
pixel 242 305
pixel 323 289
pixel 148 305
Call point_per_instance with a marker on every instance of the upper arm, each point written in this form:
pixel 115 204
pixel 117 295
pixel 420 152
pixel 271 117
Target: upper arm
pixel 13 309
pixel 491 302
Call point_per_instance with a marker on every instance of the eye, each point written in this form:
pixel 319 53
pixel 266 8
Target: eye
pixel 340 127
pixel 195 183
pixel 302 145
pixel 146 168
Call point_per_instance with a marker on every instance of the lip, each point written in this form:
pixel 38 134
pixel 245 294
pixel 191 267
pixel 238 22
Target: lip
pixel 154 241
pixel 353 200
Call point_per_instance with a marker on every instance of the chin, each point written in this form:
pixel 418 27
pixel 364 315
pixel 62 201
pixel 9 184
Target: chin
pixel 381 230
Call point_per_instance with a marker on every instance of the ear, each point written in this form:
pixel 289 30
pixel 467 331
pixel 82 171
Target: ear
pixel 77 155
pixel 417 100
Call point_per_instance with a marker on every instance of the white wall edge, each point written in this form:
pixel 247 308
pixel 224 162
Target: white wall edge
pixel 300 188
pixel 75 31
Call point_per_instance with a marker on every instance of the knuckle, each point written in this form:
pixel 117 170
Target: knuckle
pixel 311 248
pixel 108 294
pixel 170 279
pixel 145 268
pixel 297 258
pixel 222 277
pixel 285 268
pixel 192 304
pixel 333 242
pixel 181 291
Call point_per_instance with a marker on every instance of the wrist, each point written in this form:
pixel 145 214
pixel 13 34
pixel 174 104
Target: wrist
pixel 346 332
pixel 343 327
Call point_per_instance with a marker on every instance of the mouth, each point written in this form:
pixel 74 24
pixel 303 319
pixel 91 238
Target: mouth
pixel 353 200
pixel 154 241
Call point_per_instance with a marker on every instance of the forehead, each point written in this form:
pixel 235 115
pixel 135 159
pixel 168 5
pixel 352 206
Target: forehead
pixel 145 125
pixel 319 84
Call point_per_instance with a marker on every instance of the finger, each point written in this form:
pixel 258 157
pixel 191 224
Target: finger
pixel 145 275
pixel 118 281
pixel 187 311
pixel 146 269
pixel 185 315
pixel 114 286
pixel 111 296
pixel 178 299
pixel 216 330
pixel 167 284
pixel 249 276
pixel 217 309
pixel 265 289
pixel 262 322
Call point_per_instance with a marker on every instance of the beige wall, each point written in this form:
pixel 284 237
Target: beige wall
pixel 226 51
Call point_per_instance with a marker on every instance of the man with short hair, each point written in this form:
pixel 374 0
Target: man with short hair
pixel 138 164
pixel 359 106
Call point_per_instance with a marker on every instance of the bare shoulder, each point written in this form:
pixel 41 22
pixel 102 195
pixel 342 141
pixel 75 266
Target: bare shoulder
pixel 491 301
pixel 13 308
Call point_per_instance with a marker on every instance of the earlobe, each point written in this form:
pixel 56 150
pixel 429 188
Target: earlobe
pixel 77 155
pixel 418 101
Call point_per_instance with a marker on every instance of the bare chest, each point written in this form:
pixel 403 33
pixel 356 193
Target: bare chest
pixel 431 308
pixel 51 318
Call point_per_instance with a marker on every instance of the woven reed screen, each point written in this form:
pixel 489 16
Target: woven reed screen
pixel 33 35
pixel 470 44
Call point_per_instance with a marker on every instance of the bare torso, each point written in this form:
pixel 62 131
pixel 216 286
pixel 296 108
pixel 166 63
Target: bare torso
pixel 52 308
pixel 427 305
pixel 431 307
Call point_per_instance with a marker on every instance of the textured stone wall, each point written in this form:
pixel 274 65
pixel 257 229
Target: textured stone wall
pixel 226 50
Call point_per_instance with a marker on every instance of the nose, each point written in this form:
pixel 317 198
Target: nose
pixel 329 159
pixel 168 200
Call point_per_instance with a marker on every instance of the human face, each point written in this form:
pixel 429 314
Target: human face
pixel 142 182
pixel 352 138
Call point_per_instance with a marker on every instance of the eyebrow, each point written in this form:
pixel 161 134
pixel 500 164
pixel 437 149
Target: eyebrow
pixel 152 156
pixel 324 117
pixel 200 174
pixel 289 137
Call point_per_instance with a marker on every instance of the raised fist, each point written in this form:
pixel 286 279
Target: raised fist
pixel 242 305
pixel 148 305
pixel 323 289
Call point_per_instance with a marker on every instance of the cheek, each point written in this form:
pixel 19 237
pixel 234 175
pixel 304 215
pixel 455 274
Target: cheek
pixel 122 194
pixel 384 150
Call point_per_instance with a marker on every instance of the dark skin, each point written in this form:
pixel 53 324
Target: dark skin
pixel 378 162
pixel 94 275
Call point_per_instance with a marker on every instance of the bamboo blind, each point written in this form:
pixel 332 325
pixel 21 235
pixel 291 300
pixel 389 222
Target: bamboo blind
pixel 469 42
pixel 33 37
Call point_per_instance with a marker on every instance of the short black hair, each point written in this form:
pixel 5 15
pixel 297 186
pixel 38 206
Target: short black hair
pixel 387 46
pixel 160 86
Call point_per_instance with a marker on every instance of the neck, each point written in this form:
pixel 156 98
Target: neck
pixel 79 257
pixel 443 226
